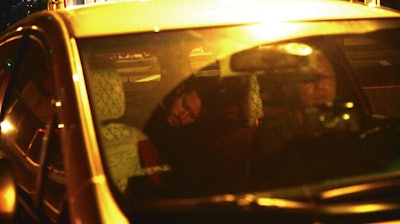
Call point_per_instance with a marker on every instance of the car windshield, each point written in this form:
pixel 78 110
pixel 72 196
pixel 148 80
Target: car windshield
pixel 231 110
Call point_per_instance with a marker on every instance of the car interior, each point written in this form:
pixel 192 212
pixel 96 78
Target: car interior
pixel 259 125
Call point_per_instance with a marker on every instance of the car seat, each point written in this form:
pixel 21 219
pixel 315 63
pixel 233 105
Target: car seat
pixel 124 146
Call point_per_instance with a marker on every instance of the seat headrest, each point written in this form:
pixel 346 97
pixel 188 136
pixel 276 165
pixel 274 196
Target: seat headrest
pixel 107 91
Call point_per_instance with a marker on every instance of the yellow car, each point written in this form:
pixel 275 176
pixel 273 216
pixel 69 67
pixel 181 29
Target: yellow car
pixel 209 111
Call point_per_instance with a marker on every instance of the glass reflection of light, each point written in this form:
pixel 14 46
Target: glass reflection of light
pixel 149 78
pixel 246 200
pixel 357 209
pixel 280 203
pixel 224 198
pixel 346 117
pixel 368 208
pixel 263 32
pixel 344 191
pixel 75 77
pixel 58 104
pixel 299 49
pixel 9 196
pixel 349 105
pixel 6 126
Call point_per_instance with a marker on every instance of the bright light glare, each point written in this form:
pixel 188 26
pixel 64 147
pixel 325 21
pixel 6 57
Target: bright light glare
pixel 368 208
pixel 98 179
pixel 262 32
pixel 359 209
pixel 149 78
pixel 299 49
pixel 343 191
pixel 8 198
pixel 75 77
pixel 6 126
pixel 349 105
pixel 58 104
pixel 346 117
pixel 280 203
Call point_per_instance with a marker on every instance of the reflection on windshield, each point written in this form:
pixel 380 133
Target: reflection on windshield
pixel 178 116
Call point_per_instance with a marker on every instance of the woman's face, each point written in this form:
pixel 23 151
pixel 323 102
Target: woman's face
pixel 185 109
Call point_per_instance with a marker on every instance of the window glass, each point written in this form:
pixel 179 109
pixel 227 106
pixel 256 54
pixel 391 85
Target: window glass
pixel 375 59
pixel 7 61
pixel 29 94
pixel 229 112
pixel 31 115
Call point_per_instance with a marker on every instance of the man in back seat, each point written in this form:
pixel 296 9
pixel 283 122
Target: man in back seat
pixel 188 125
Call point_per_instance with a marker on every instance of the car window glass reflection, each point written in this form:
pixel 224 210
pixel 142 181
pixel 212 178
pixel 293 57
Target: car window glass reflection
pixel 274 108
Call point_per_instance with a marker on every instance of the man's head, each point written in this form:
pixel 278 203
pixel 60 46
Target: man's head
pixel 321 89
pixel 184 108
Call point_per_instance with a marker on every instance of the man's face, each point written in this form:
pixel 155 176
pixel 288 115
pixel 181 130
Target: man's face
pixel 318 92
pixel 322 90
pixel 185 109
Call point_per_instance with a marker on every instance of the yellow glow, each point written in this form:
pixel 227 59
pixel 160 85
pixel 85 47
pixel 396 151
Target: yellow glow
pixel 349 105
pixel 346 117
pixel 58 104
pixel 298 49
pixel 75 77
pixel 246 200
pixel 98 179
pixel 6 126
pixel 359 209
pixel 60 126
pixel 156 29
pixel 344 191
pixel 149 78
pixel 224 198
pixel 367 208
pixel 275 202
pixel 8 199
pixel 19 28
pixel 262 32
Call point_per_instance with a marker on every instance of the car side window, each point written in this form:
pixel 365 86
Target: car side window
pixel 29 101
pixel 29 135
pixel 373 60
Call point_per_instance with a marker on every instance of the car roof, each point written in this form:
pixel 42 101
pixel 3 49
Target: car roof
pixel 157 15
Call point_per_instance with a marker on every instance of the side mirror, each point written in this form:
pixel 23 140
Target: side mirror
pixel 8 191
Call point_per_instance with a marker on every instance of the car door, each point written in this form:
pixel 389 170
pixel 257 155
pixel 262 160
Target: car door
pixel 29 137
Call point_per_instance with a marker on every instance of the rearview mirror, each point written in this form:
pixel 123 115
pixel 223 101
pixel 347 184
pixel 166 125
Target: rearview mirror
pixel 288 62
pixel 264 59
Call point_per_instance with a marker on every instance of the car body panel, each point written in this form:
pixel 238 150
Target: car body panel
pixel 83 191
pixel 89 20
